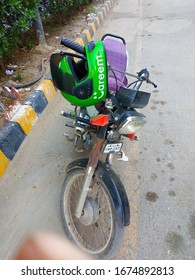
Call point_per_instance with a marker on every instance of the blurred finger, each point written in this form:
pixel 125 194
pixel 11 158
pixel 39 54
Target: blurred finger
pixel 49 246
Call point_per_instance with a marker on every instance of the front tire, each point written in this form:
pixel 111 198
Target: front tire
pixel 98 231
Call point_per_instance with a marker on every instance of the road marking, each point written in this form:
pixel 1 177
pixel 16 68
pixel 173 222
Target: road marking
pixel 25 117
pixel 4 161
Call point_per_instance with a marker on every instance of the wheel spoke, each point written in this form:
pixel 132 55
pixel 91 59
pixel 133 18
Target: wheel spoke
pixel 84 229
pixel 103 233
pixel 96 229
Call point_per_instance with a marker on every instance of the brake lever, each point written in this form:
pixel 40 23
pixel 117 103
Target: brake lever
pixel 77 55
pixel 155 86
pixel 144 75
pixel 150 82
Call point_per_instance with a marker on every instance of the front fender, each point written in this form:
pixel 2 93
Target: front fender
pixel 113 184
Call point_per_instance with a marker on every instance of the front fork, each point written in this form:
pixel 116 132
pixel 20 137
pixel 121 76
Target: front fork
pixel 91 166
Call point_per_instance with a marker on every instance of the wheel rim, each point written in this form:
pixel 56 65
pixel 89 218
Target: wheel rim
pixel 95 237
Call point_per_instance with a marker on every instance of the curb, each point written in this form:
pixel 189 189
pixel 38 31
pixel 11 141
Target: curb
pixel 15 131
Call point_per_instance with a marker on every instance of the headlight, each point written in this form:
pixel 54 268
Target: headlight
pixel 131 123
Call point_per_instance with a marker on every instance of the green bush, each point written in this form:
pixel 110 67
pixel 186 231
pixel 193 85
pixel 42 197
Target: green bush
pixel 16 17
pixel 59 7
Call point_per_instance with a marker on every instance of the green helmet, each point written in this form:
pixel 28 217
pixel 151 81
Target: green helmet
pixel 83 82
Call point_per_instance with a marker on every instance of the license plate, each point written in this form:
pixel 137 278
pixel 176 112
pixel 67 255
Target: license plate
pixel 112 148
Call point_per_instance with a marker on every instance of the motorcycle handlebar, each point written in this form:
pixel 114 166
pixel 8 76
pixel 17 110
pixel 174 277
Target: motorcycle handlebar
pixel 72 45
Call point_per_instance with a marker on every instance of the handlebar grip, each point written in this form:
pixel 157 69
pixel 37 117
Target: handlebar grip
pixel 72 45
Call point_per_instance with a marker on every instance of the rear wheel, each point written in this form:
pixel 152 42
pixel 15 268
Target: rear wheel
pixel 98 231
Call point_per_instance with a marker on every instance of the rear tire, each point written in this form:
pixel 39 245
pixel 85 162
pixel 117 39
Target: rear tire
pixel 98 232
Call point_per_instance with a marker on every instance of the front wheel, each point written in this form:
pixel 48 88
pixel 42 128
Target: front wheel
pixel 98 231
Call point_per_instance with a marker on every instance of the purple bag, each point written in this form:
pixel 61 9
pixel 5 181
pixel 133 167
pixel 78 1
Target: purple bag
pixel 117 58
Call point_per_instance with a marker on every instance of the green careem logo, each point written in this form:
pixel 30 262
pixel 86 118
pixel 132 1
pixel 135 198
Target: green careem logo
pixel 101 77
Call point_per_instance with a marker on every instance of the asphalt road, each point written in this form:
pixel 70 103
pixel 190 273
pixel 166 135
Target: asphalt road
pixel 159 177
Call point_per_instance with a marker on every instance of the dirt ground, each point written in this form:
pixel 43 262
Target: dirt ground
pixel 28 61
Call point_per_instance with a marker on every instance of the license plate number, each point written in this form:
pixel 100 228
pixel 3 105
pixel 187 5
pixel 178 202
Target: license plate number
pixel 112 148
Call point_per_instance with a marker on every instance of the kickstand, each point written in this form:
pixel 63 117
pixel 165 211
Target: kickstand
pixel 67 136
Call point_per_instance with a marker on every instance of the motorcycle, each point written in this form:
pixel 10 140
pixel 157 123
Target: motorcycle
pixel 93 78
